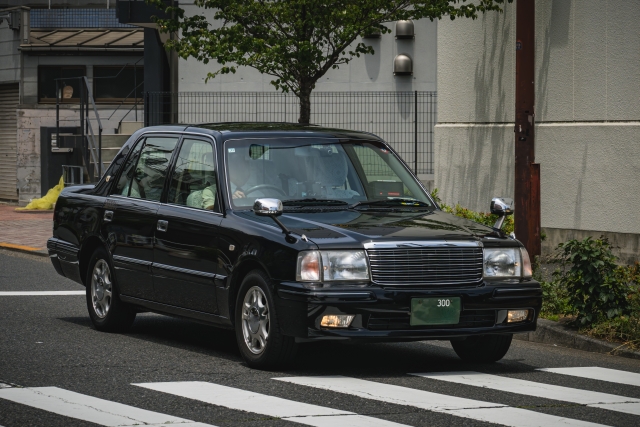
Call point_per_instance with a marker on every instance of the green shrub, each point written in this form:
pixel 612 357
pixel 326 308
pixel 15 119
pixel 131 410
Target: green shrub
pixel 596 287
pixel 480 217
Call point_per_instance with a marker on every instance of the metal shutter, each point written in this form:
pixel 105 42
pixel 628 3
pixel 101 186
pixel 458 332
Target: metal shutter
pixel 9 98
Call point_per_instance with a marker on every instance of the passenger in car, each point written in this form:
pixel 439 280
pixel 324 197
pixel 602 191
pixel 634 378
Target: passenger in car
pixel 209 194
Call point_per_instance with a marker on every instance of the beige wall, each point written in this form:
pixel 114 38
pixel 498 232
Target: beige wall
pixel 587 112
pixel 367 73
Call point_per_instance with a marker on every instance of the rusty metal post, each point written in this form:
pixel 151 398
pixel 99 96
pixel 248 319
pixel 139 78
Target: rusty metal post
pixel 534 211
pixel 527 208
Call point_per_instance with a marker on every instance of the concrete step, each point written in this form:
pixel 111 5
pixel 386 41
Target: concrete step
pixel 105 166
pixel 129 127
pixel 113 140
pixel 109 153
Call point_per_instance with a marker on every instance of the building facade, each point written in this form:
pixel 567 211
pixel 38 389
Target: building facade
pixel 587 116
pixel 367 73
pixel 70 41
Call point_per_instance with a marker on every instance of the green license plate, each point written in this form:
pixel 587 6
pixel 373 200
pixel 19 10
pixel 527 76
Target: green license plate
pixel 435 311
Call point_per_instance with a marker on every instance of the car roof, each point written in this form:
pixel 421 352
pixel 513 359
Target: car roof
pixel 237 130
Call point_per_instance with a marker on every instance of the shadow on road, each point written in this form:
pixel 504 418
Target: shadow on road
pixel 338 358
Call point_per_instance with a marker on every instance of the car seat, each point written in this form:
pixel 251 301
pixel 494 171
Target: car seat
pixel 330 170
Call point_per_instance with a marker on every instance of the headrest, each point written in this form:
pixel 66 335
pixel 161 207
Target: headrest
pixel 330 168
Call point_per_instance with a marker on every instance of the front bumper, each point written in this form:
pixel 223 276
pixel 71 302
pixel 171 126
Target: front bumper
pixel 383 313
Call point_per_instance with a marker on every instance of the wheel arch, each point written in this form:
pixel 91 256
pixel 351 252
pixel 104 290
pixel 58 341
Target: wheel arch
pixel 240 271
pixel 89 246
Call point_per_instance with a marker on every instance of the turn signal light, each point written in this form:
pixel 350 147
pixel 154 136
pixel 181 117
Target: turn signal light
pixel 337 320
pixel 514 316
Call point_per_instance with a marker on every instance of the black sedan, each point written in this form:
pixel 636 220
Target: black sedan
pixel 288 234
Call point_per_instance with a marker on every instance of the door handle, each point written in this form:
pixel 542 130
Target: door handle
pixel 108 216
pixel 162 225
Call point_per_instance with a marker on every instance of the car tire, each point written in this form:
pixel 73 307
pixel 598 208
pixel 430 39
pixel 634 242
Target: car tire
pixel 482 348
pixel 107 312
pixel 260 341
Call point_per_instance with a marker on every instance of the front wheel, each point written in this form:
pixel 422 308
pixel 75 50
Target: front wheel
pixel 482 348
pixel 106 311
pixel 261 343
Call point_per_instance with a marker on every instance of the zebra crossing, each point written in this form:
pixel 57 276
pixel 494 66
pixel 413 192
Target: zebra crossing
pixel 104 412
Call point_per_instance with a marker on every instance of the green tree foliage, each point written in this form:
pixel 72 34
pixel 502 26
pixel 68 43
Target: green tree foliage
pixel 485 218
pixel 596 287
pixel 296 41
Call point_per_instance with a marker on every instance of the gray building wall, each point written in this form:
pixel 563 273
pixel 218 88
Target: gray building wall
pixel 587 115
pixel 367 73
pixel 9 54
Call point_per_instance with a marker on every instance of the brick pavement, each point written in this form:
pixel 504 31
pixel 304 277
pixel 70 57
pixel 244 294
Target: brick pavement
pixel 22 230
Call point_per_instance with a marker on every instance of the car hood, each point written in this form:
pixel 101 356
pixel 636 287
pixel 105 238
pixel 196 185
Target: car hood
pixel 349 228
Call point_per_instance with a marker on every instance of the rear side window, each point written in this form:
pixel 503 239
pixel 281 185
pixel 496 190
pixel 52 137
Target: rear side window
pixel 124 183
pixel 194 181
pixel 146 179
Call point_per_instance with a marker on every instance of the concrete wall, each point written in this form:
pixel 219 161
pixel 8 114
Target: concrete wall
pixel 368 73
pixel 587 113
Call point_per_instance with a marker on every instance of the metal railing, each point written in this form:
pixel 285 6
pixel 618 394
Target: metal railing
pixel 404 119
pixel 92 154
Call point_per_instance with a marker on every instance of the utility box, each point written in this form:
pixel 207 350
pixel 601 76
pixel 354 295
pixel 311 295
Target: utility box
pixel 55 153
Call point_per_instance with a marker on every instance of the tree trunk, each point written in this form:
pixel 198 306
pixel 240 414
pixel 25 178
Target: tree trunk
pixel 305 106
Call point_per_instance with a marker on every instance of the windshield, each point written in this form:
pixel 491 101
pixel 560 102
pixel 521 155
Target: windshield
pixel 303 171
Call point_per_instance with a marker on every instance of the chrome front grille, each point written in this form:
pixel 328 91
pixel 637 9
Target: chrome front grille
pixel 430 266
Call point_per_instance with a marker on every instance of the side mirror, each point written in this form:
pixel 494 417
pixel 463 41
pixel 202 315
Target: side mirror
pixel 501 206
pixel 267 207
pixel 273 209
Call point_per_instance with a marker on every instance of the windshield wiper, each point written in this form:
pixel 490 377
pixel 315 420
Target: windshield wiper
pixel 314 202
pixel 398 201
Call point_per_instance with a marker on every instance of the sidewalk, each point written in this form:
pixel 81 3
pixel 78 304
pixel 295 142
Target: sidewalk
pixel 25 231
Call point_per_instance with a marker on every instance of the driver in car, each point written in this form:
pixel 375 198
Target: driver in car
pixel 239 173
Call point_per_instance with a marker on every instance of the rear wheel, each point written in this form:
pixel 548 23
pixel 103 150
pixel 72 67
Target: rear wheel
pixel 482 348
pixel 261 343
pixel 106 311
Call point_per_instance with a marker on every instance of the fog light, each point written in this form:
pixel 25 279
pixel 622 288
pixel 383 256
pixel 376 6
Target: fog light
pixel 517 316
pixel 337 320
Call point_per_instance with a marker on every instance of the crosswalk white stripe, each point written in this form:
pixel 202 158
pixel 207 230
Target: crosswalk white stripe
pixel 39 293
pixel 91 409
pixel 530 388
pixel 597 373
pixel 242 400
pixel 452 405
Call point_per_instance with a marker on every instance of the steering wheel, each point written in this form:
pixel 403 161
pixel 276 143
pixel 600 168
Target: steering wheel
pixel 264 186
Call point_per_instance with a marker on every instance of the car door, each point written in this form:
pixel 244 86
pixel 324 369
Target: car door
pixel 130 213
pixel 186 260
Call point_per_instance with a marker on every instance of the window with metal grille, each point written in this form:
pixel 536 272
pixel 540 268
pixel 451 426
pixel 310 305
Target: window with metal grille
pixel 116 84
pixel 69 89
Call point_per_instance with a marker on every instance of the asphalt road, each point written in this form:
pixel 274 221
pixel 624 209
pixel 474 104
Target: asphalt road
pixel 55 370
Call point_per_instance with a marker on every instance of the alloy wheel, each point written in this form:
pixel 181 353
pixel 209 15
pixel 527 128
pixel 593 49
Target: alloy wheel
pixel 101 288
pixel 255 320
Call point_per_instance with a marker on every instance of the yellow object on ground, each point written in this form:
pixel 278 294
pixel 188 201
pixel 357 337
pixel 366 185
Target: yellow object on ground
pixel 46 202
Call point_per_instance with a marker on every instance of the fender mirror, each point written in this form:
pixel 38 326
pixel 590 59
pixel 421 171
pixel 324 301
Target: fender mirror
pixel 501 206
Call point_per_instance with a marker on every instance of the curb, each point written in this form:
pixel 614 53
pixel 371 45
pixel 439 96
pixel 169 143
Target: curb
pixel 35 212
pixel 24 249
pixel 549 332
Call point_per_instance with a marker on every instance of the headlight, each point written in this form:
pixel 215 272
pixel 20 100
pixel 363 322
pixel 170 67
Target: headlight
pixel 527 270
pixel 330 266
pixel 502 262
